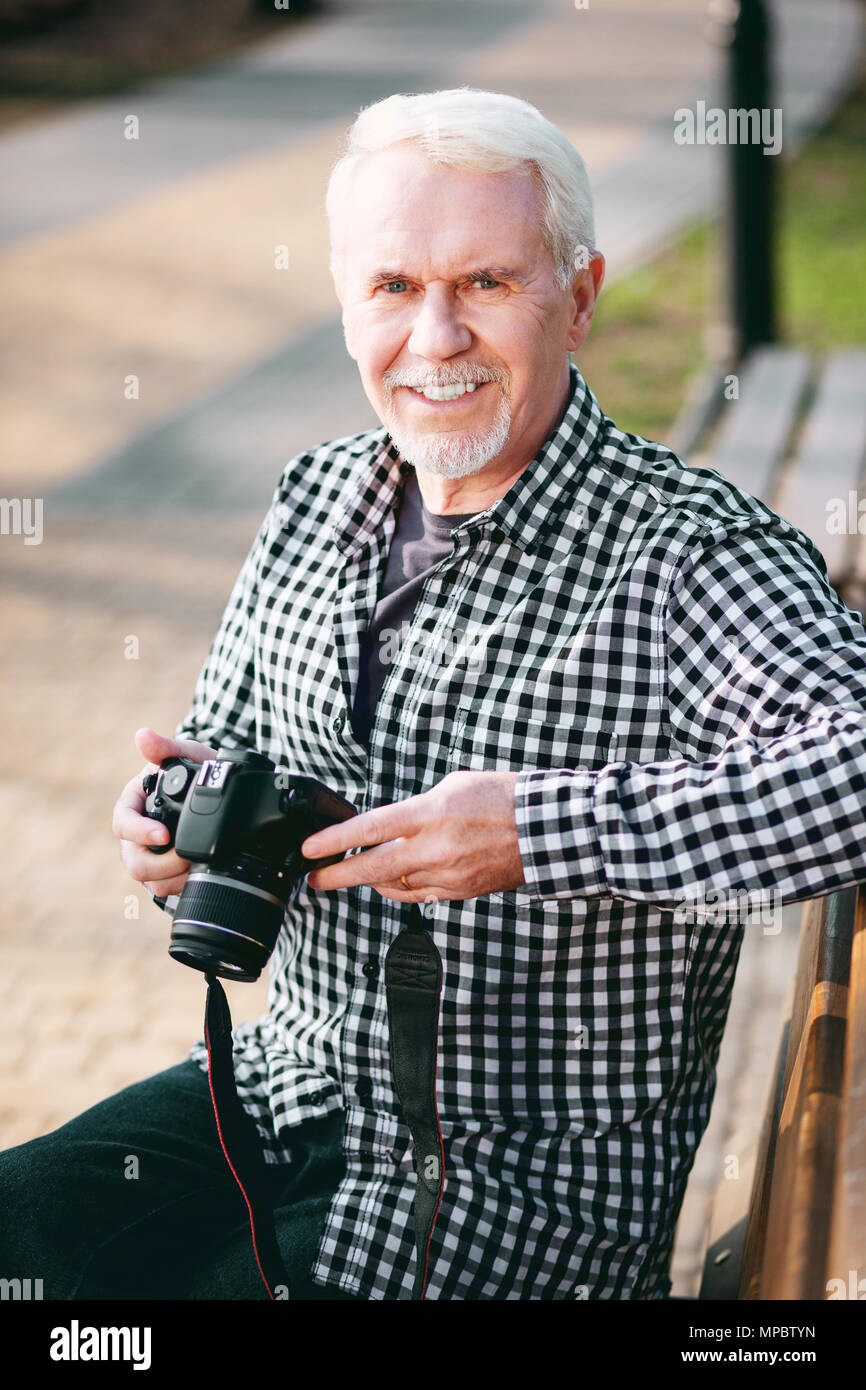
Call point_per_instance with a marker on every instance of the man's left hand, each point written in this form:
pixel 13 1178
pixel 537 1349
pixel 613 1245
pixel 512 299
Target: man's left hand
pixel 458 840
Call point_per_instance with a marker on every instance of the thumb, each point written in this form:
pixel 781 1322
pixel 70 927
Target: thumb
pixel 155 748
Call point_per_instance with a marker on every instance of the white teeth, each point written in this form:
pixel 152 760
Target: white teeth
pixel 445 393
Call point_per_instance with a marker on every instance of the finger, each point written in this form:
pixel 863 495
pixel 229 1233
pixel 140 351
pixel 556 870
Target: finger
pixel 164 889
pixel 397 892
pixel 380 865
pixel 375 827
pixel 155 748
pixel 127 821
pixel 145 867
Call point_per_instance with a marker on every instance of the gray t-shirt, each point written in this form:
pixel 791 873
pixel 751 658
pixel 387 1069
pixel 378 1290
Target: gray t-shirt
pixel 421 540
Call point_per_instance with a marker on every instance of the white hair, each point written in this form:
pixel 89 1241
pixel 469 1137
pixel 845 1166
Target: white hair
pixel 485 133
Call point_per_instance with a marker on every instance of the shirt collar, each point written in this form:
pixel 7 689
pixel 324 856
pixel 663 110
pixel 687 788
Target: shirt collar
pixel 528 508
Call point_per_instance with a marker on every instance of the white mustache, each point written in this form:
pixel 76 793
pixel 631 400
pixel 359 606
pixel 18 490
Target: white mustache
pixel 456 376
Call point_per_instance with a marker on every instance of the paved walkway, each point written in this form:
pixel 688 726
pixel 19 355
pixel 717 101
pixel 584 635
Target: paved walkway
pixel 154 258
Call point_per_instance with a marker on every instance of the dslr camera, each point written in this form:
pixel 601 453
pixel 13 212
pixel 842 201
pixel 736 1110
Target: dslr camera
pixel 241 822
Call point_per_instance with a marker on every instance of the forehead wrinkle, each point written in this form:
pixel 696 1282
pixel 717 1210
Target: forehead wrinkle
pixel 404 204
pixel 448 250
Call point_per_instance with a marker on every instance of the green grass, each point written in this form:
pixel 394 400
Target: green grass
pixel 822 243
pixel 649 337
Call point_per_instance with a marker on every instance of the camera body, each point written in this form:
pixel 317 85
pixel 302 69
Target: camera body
pixel 241 823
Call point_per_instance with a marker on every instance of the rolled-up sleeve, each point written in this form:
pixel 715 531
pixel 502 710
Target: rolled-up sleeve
pixel 766 702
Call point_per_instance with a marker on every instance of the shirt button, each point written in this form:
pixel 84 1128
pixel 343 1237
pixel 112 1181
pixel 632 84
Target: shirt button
pixel 317 1098
pixel 405 469
pixel 337 723
pixel 364 1088
pixel 370 968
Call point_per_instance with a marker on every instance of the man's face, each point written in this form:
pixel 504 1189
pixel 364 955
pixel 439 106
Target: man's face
pixel 445 281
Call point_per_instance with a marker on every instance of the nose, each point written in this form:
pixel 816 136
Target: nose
pixel 438 329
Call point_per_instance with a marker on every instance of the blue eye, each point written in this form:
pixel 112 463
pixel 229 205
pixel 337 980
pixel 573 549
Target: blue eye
pixel 389 283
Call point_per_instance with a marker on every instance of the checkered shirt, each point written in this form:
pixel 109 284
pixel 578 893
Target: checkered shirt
pixel 662 659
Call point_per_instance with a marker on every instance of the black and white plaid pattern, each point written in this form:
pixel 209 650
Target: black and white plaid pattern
pixel 685 697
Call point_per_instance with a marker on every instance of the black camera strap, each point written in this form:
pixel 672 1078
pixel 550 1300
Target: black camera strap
pixel 238 1138
pixel 413 983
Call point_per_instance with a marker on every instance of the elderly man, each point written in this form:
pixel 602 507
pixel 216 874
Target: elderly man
pixel 573 688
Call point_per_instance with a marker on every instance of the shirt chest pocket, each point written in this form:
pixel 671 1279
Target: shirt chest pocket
pixel 496 739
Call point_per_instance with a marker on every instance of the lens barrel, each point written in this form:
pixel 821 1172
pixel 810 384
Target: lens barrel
pixel 225 926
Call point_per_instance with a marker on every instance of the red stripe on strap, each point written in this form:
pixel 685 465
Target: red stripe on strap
pixel 234 1173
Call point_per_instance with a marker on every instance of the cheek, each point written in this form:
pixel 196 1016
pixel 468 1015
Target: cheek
pixel 376 341
pixel 517 338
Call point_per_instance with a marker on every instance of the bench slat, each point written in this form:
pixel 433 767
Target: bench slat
pixel 699 412
pixel 789 1255
pixel 848 1236
pixel 757 428
pixel 828 463
pixel 759 1203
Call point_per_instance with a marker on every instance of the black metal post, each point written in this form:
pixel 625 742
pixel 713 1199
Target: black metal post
pixel 749 213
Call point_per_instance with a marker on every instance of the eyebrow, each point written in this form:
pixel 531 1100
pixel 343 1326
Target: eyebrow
pixel 488 272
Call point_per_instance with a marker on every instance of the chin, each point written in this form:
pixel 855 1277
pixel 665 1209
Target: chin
pixel 454 454
pixel 449 462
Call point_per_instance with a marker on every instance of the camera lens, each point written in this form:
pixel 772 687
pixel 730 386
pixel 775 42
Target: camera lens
pixel 227 925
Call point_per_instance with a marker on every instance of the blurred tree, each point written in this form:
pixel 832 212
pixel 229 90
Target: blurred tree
pixel 28 16
pixel 80 48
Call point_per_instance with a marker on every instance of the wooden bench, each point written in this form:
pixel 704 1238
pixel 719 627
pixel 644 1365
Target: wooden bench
pixel 793 433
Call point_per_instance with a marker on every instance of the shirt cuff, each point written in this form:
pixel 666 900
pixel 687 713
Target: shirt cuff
pixel 557 834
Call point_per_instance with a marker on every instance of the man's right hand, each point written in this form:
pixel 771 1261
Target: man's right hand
pixel 164 874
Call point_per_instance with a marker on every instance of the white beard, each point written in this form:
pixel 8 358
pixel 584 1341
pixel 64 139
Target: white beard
pixel 454 453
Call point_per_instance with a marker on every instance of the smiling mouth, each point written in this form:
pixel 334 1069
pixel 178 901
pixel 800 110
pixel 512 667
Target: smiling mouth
pixel 439 394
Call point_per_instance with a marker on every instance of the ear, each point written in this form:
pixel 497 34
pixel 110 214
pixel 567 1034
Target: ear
pixel 585 289
pixel 348 336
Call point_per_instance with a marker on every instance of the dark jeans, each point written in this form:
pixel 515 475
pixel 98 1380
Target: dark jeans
pixel 72 1214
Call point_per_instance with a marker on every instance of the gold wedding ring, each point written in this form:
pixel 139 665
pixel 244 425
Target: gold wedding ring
pixel 404 883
